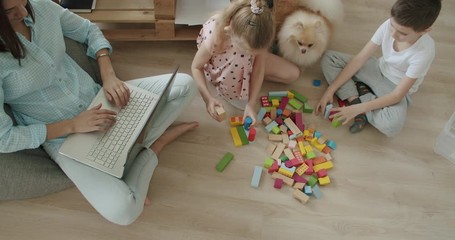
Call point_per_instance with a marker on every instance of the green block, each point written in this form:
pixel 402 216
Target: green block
pixel 276 130
pixel 224 161
pixel 268 162
pixel 336 123
pixel 274 97
pixel 299 96
pixel 295 103
pixel 307 108
pixel 312 181
pixel 284 158
pixel 310 155
pixel 242 135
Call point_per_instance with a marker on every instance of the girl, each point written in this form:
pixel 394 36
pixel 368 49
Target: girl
pixel 233 55
pixel 48 94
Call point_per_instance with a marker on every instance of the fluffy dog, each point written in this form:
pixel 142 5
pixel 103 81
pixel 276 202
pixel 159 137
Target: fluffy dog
pixel 306 31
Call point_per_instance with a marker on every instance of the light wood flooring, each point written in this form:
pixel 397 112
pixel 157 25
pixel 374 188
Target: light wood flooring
pixel 382 188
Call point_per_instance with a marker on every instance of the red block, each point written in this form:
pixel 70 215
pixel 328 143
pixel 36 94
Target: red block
pixel 278 183
pixel 310 169
pixel 298 178
pixel 274 167
pixel 288 164
pixel 252 134
pixel 322 173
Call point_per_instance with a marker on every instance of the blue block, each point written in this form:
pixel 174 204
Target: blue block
pixel 317 134
pixel 261 113
pixel 327 111
pixel 317 192
pixel 247 123
pixel 316 82
pixel 307 190
pixel 331 144
pixel 256 176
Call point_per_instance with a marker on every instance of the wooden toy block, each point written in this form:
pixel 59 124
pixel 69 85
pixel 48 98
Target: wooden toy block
pixel 279 112
pixel 285 138
pixel 328 107
pixel 268 162
pixel 291 125
pixel 270 127
pixel 324 181
pixel 242 135
pixel 299 96
pixel 273 113
pixel 331 144
pixel 288 153
pixel 252 134
pixel 286 113
pixel 275 102
pixel 221 112
pixel 283 128
pixel 342 103
pixel 295 162
pixel 291 143
pixel 310 169
pixel 290 95
pixel 265 101
pixel 336 123
pixel 299 121
pixel 302 169
pixel 299 179
pixel 316 192
pixel 307 108
pixel 296 104
pixel 321 140
pixel 278 183
pixel 326 150
pixel 276 130
pixel 298 156
pixel 326 165
pixel 286 180
pixel 301 148
pixel 261 114
pixel 307 190
pixel 236 121
pixel 288 169
pixel 306 133
pixel 236 137
pixel 317 145
pixel 312 181
pixel 275 137
pixel 319 160
pixel 284 171
pixel 299 195
pixel 299 185
pixel 278 151
pixel 288 164
pixel 275 166
pixel 271 98
pixel 328 156
pixel 322 173
pixel 279 120
pixel 278 93
pixel 317 134
pixel 247 123
pixel 224 161
pixel 270 148
pixel 283 103
pixel 266 121
pixel 310 154
pixel 284 158
pixel 256 176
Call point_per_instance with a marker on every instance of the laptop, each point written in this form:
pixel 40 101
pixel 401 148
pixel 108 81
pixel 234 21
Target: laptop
pixel 109 151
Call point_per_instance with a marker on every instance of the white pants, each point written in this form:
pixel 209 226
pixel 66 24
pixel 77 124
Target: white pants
pixel 388 120
pixel 121 201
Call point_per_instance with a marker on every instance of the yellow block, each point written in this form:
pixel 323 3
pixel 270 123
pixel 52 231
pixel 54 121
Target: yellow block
pixel 325 165
pixel 236 137
pixel 324 181
pixel 302 148
pixel 290 95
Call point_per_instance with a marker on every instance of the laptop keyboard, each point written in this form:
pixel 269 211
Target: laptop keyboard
pixel 110 146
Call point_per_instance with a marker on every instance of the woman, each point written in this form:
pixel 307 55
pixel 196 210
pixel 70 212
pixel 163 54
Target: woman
pixel 49 94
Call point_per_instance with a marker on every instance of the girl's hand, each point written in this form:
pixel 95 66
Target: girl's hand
pixel 325 100
pixel 249 112
pixel 116 91
pixel 211 104
pixel 345 114
pixel 93 120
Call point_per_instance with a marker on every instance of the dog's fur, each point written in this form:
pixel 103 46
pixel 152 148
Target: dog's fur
pixel 306 32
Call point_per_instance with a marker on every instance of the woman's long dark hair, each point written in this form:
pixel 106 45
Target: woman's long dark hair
pixel 9 41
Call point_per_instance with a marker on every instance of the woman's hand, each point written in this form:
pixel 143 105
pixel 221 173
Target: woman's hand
pixel 211 104
pixel 326 99
pixel 116 91
pixel 93 120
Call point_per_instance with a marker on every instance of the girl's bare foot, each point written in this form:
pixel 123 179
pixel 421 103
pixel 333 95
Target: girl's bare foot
pixel 172 133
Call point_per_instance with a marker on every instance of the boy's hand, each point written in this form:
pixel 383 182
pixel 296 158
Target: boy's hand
pixel 211 103
pixel 326 99
pixel 345 114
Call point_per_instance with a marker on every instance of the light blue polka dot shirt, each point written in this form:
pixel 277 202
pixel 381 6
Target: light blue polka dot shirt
pixel 48 86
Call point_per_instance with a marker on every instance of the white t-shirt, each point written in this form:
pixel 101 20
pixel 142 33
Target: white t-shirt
pixel 413 62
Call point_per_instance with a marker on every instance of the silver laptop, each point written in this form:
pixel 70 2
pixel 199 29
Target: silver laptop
pixel 109 151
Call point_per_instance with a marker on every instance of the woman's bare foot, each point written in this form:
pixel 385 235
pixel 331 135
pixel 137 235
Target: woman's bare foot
pixel 171 134
pixel 147 201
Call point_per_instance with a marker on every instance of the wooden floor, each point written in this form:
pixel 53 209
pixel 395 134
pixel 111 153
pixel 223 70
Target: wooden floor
pixel 382 188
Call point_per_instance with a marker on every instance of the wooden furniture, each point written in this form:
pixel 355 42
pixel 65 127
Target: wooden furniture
pixel 140 20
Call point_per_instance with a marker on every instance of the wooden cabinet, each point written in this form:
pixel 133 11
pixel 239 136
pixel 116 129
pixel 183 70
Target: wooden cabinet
pixel 140 20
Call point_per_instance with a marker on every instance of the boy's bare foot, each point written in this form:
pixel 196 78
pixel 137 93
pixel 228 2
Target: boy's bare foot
pixel 172 133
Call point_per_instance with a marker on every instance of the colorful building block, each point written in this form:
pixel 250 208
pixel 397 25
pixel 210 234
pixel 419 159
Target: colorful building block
pixel 221 112
pixel 278 183
pixel 299 195
pixel 256 176
pixel 324 181
pixel 235 137
pixel 252 134
pixel 224 161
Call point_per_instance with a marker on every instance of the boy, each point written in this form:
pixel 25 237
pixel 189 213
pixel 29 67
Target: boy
pixel 378 91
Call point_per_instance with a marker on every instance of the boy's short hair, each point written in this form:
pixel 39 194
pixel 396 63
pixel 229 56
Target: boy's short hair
pixel 416 14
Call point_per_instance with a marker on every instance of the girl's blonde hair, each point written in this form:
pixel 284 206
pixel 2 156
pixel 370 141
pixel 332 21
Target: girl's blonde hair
pixel 257 28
